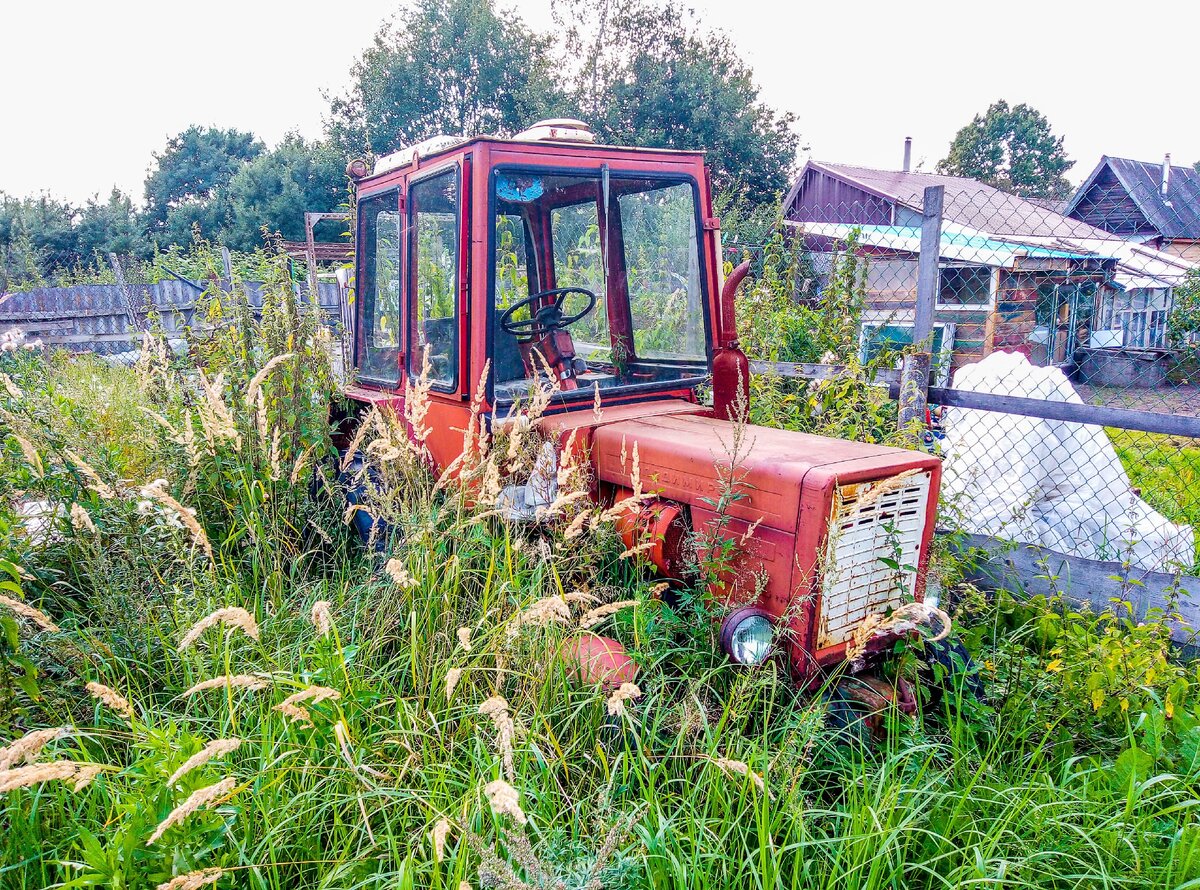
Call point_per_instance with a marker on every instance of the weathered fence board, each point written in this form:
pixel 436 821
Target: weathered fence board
pixel 1028 570
pixel 96 317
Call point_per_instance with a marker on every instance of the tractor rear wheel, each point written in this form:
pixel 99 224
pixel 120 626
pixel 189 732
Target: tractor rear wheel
pixel 372 532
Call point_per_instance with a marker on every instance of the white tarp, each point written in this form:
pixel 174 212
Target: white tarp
pixel 1048 482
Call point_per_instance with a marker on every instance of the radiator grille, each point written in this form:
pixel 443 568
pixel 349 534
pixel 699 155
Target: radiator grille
pixel 873 521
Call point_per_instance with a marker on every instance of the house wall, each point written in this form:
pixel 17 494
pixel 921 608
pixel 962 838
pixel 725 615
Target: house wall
pixel 1015 318
pixel 891 292
pixel 1185 250
pixel 822 198
pixel 1107 206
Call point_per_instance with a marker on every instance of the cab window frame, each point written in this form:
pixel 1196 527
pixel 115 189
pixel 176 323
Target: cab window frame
pixel 667 177
pixel 413 359
pixel 366 285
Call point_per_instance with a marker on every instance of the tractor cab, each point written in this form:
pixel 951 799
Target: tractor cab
pixel 542 256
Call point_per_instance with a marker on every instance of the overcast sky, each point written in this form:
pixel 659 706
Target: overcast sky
pixel 88 90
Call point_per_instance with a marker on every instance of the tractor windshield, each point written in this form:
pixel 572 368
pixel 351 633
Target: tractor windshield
pixel 615 260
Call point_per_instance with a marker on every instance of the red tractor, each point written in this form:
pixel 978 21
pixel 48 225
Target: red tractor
pixel 546 255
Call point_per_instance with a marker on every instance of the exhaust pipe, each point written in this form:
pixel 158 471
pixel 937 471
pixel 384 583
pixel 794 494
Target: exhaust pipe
pixel 731 368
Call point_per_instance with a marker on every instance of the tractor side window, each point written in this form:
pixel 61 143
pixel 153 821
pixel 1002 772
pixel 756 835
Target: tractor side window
pixel 662 261
pixel 380 290
pixel 434 206
pixel 579 262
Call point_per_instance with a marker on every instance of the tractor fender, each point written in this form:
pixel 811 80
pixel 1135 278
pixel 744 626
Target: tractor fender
pixel 593 659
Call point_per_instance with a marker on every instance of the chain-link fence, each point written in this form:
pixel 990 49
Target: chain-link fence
pixel 1089 306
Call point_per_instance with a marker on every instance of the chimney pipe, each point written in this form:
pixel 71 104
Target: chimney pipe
pixel 907 153
pixel 1166 174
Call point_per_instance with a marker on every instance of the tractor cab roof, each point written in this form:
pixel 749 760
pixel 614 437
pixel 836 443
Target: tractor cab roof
pixel 557 135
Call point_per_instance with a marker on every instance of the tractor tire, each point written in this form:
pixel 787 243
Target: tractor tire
pixel 371 531
pixel 844 717
pixel 949 667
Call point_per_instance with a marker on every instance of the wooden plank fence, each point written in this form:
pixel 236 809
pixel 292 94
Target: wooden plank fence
pixel 97 318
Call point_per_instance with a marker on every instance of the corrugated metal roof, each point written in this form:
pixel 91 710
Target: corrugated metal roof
pixel 1136 266
pixel 968 202
pixel 958 244
pixel 1174 215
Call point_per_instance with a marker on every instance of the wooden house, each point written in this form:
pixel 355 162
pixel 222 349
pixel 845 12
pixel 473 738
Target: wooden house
pixel 1153 204
pixel 1014 275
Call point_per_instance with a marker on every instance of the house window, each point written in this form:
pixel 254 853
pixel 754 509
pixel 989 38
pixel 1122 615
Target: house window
pixel 966 287
pixel 895 334
pixel 1135 318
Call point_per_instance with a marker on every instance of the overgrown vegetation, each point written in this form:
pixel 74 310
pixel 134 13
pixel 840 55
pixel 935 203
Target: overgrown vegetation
pixel 206 681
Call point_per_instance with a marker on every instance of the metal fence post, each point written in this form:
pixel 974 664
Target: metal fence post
pixel 914 374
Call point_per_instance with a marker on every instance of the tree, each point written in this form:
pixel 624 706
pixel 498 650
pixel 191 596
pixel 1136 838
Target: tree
pixel 37 237
pixel 445 66
pixel 1013 150
pixel 111 226
pixel 648 75
pixel 188 173
pixel 275 189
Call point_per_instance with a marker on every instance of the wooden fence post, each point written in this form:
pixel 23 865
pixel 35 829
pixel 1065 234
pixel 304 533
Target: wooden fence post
pixel 914 373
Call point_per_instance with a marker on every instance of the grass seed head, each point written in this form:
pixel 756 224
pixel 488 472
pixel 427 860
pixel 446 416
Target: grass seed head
pixel 193 880
pixel 504 800
pixel 157 491
pixel 230 616
pixel 201 798
pixel 546 611
pixel 625 692
pixel 233 681
pixel 496 708
pixel 313 695
pixel 95 483
pixel 26 749
pixel 81 520
pixel 77 775
pixel 25 610
pixel 11 388
pixel 31 455
pixel 111 699
pixel 452 677
pixel 296 713
pixel 596 616
pixel 738 768
pixel 257 380
pixel 439 834
pixel 215 748
pixel 322 617
pixel 399 574
pixel 464 638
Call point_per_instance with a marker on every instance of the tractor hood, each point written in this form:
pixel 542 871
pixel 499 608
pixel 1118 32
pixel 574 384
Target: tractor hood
pixel 686 457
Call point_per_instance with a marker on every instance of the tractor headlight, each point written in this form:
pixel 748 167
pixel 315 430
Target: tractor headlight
pixel 746 636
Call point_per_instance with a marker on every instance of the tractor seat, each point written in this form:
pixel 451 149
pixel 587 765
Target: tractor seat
pixel 507 361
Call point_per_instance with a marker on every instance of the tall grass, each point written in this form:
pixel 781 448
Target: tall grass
pixel 382 776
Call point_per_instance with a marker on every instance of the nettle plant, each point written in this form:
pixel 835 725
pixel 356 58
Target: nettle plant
pixel 789 314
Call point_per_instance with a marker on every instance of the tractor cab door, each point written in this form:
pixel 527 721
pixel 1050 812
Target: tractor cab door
pixel 412 300
pixel 379 322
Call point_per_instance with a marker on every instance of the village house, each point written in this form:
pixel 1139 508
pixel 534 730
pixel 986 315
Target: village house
pixel 1015 275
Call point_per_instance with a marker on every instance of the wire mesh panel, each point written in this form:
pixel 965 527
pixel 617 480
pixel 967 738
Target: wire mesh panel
pixel 1091 299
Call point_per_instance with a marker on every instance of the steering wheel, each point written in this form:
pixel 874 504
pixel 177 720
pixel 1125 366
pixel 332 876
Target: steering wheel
pixel 548 318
